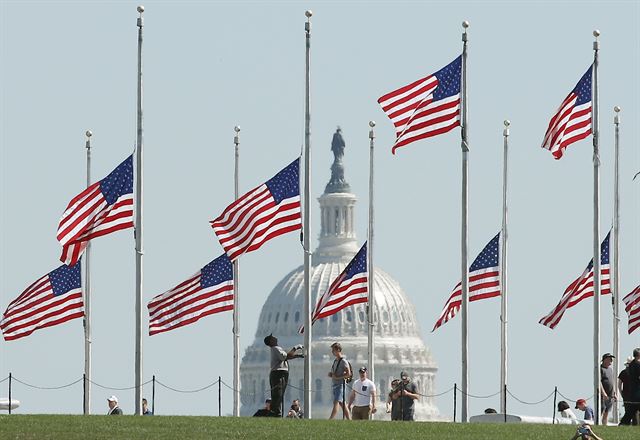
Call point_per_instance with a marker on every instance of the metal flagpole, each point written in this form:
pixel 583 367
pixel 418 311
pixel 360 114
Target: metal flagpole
pixel 86 407
pixel 503 275
pixel 616 254
pixel 138 230
pixel 464 235
pixel 236 291
pixel 596 232
pixel 306 231
pixel 370 268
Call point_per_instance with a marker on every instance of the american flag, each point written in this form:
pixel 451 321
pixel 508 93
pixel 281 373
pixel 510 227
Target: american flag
pixel 102 208
pixel 270 210
pixel 632 306
pixel 484 281
pixel 582 287
pixel 427 107
pixel 53 299
pixel 351 287
pixel 572 121
pixel 208 291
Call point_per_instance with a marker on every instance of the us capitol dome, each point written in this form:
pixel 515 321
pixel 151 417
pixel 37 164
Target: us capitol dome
pixel 398 345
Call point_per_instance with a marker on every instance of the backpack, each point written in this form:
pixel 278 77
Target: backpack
pixel 349 378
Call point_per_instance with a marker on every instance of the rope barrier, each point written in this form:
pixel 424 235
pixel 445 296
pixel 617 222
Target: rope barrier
pixel 186 391
pixel 5 379
pixel 44 388
pixel 436 395
pixel 532 403
pixel 573 400
pixel 119 389
pixel 479 397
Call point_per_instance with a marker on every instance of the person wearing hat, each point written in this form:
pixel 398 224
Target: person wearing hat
pixel 279 373
pixel 607 386
pixel 362 400
pixel 565 411
pixel 589 415
pixel 625 388
pixel 393 403
pixel 407 393
pixel 114 409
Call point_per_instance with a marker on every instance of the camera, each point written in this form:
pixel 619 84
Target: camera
pixel 299 351
pixel 583 430
pixel 298 347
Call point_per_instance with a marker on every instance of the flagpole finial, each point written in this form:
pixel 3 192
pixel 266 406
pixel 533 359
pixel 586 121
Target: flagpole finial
pixel 372 124
pixel 308 13
pixel 88 133
pixel 236 129
pixel 141 9
pixel 507 122
pixel 596 33
pixel 465 24
pixel 617 109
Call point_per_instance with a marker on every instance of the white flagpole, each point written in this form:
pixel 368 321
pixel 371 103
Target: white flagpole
pixel 236 291
pixel 86 406
pixel 615 285
pixel 306 231
pixel 370 267
pixel 464 234
pixel 503 276
pixel 138 230
pixel 596 232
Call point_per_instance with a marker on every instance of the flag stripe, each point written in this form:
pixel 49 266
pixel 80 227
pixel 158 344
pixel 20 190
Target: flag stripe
pixel 632 307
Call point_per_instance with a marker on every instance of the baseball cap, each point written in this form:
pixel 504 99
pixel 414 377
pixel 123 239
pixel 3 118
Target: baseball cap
pixel 404 375
pixel 113 399
pixel 629 360
pixel 607 355
pixel 580 401
pixel 363 369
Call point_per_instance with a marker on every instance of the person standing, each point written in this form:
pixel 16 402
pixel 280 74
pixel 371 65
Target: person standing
pixel 631 410
pixel 362 397
pixel 393 404
pixel 625 387
pixel 607 386
pixel 407 393
pixel 114 409
pixel 279 373
pixel 340 371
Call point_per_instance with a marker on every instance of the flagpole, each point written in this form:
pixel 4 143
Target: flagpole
pixel 616 253
pixel 236 291
pixel 87 300
pixel 370 268
pixel 306 232
pixel 503 275
pixel 138 230
pixel 596 231
pixel 464 235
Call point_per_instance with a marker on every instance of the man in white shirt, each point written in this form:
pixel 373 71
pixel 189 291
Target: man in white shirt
pixel 362 400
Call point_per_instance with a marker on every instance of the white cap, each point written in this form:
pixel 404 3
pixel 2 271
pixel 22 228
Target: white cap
pixel 113 399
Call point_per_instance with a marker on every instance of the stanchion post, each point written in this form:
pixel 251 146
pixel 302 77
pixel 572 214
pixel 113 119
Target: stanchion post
pixel 505 403
pixel 555 396
pixel 84 389
pixel 10 378
pixel 455 400
pixel 282 398
pixel 153 395
pixel 219 396
pixel 344 388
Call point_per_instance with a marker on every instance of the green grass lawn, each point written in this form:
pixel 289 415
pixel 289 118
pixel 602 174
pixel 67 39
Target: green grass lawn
pixel 174 427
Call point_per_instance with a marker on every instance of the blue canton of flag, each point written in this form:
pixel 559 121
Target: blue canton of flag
pixel 53 299
pixel 208 291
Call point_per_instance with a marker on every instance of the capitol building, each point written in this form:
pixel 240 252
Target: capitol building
pixel 398 345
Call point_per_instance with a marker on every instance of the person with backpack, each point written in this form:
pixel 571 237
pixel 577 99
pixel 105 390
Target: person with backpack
pixel 340 374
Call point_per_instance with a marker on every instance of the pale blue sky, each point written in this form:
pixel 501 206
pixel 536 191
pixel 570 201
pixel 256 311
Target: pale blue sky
pixel 71 66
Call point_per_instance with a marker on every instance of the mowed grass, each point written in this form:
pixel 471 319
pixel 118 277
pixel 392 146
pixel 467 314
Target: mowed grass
pixel 70 427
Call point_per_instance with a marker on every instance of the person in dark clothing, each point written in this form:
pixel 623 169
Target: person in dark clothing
pixel 264 412
pixel 632 409
pixel 407 393
pixel 393 404
pixel 279 373
pixel 624 386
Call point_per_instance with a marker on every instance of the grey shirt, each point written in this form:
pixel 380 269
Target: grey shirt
pixel 607 380
pixel 279 359
pixel 337 368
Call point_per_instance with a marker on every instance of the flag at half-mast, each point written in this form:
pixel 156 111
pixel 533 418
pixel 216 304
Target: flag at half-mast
pixel 484 281
pixel 104 207
pixel 208 291
pixel 632 307
pixel 582 287
pixel 572 121
pixel 51 300
pixel 427 107
pixel 265 212
pixel 351 287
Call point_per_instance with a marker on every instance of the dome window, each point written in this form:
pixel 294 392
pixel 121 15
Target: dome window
pixel 361 315
pixel 277 317
pixel 349 316
pixel 318 390
pixel 269 318
pixel 385 316
pixel 334 317
pixel 286 316
pixel 297 317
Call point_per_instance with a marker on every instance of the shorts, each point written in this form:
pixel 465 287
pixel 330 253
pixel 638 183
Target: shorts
pixel 337 391
pixel 606 404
